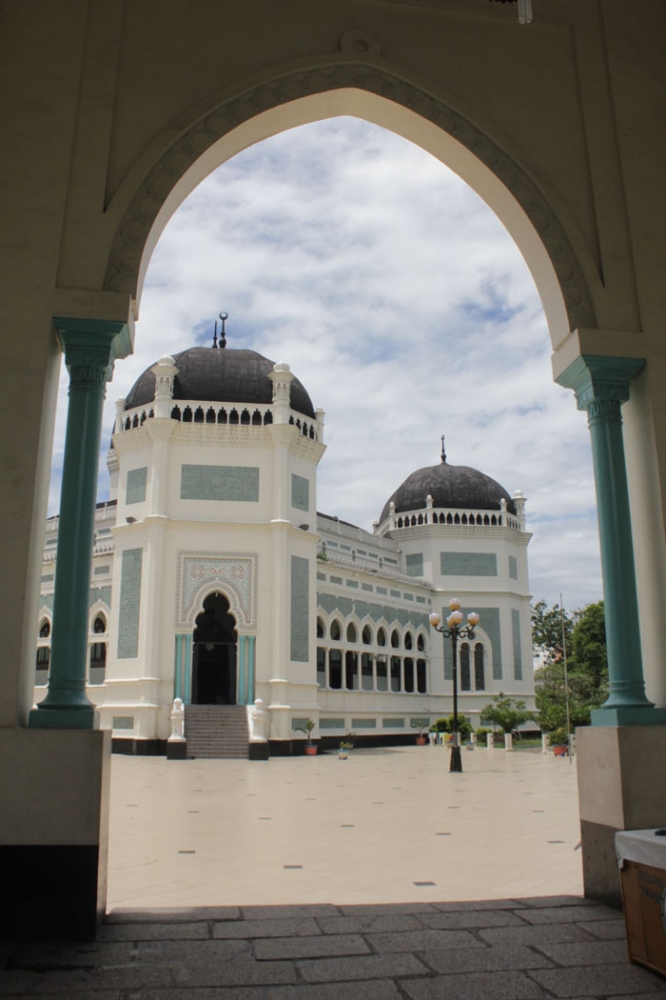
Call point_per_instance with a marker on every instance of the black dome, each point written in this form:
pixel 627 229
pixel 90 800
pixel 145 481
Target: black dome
pixel 220 376
pixel 449 486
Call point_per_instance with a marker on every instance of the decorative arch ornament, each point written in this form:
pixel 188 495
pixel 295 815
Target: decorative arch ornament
pixel 125 258
pixel 202 573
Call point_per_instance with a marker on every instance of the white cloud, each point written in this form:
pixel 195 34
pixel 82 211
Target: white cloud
pixel 406 310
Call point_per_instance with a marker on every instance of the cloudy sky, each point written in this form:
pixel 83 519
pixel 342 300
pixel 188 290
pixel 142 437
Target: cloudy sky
pixel 404 307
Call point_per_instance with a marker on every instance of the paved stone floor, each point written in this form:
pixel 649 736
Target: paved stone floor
pixel 386 906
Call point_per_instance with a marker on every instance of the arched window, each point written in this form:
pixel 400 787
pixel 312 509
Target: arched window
pixel 395 639
pixel 99 625
pixel 211 416
pixel 420 643
pixel 395 673
pixel 321 630
pixel 321 667
pixel 366 671
pixel 382 674
pixel 351 671
pixel 409 642
pixel 479 667
pixel 409 675
pixel 465 677
pixel 45 629
pixel 97 662
pixel 335 669
pixel 351 632
pixel 335 630
pixel 421 676
pixel 381 637
pixel 366 635
pixel 199 415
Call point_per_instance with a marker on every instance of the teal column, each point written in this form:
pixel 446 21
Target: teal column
pixel 242 691
pixel 250 669
pixel 601 385
pixel 177 669
pixel 90 348
pixel 187 668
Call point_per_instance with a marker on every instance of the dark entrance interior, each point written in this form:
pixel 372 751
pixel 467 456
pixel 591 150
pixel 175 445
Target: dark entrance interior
pixel 214 654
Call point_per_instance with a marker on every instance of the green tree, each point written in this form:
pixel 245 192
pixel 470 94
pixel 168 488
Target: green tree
pixel 547 630
pixel 507 713
pixel 585 637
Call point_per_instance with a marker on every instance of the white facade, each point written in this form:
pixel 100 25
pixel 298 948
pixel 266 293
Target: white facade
pixel 330 622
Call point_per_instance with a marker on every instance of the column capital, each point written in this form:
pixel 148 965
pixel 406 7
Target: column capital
pixel 597 378
pixel 112 335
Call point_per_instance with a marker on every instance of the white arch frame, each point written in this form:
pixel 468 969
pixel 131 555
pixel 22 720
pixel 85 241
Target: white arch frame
pixel 555 252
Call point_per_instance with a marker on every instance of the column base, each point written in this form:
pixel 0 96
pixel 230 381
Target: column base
pixel 176 750
pixel 631 715
pixel 63 718
pixel 54 789
pixel 621 786
pixel 258 751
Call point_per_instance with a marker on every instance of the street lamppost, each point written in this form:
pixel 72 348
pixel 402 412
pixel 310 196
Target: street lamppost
pixel 455 630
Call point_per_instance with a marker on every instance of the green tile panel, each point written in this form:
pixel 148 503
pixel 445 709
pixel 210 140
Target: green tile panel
pixel 414 564
pixel 47 578
pixel 102 594
pixel 300 492
pixel 101 570
pixel 364 723
pixel 468 564
pixel 345 606
pixel 331 723
pixel 136 485
pixel 517 651
pixel 300 614
pixel 123 722
pixel 393 723
pixel 219 482
pixel 130 599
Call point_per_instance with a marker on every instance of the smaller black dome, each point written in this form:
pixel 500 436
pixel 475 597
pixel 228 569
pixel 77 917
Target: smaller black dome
pixel 220 375
pixel 455 486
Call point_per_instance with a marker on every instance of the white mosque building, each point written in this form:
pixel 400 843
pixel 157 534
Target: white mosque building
pixel 216 581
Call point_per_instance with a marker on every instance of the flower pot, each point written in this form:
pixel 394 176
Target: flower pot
pixel 343 754
pixel 560 751
pixel 421 741
pixel 310 751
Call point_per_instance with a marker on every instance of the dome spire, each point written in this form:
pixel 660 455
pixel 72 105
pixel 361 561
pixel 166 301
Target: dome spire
pixel 443 451
pixel 223 335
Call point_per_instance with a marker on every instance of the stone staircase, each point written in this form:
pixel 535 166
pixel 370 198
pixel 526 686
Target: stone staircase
pixel 216 731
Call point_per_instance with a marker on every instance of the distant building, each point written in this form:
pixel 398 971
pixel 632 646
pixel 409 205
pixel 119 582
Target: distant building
pixel 214 579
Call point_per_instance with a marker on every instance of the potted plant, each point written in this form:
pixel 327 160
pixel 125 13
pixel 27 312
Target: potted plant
pixel 310 747
pixel 421 725
pixel 559 741
pixel 344 748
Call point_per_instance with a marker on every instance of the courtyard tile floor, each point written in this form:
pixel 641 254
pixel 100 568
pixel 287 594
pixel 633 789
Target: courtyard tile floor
pixel 391 825
pixel 383 877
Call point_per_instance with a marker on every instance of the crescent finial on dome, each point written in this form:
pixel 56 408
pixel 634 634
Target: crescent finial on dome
pixel 443 451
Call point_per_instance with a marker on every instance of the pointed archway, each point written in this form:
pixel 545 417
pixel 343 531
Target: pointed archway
pixel 214 646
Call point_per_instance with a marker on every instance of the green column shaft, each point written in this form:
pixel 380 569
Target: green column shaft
pixel 89 355
pixel 625 665
pixel 187 669
pixel 250 669
pixel 242 681
pixel 601 385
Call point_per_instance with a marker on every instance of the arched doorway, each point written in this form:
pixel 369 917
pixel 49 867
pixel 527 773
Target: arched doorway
pixel 214 646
